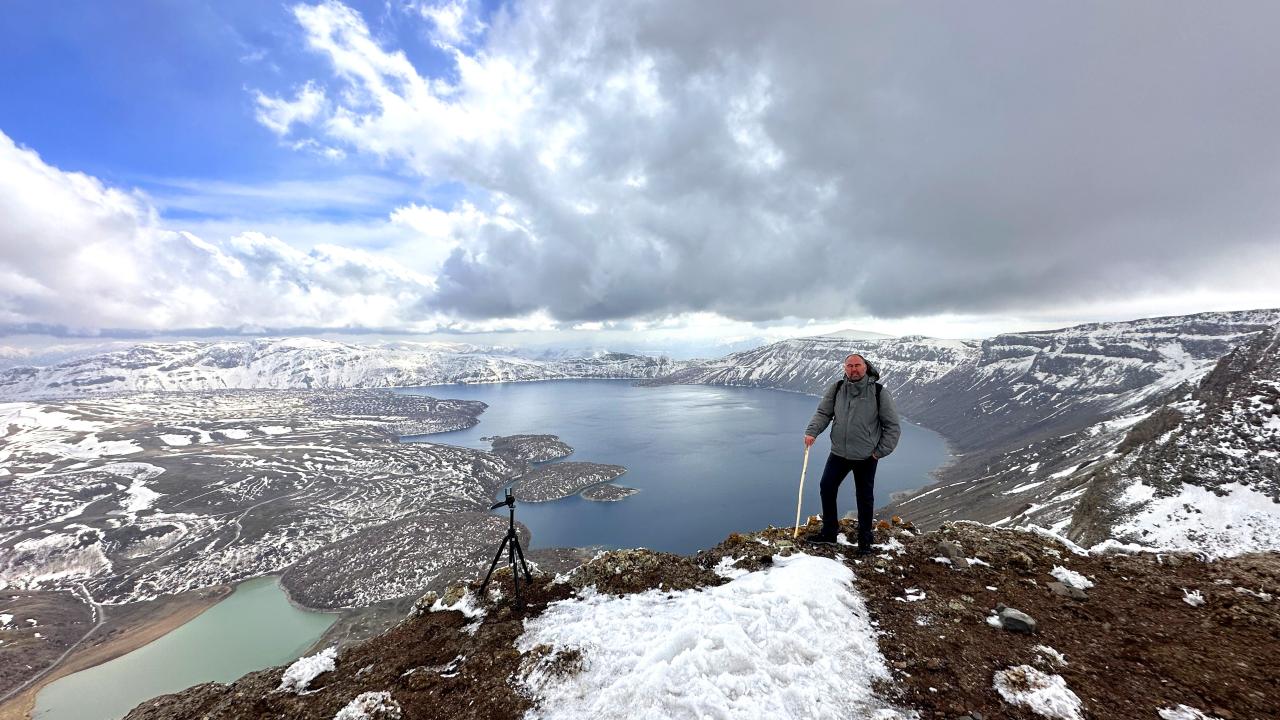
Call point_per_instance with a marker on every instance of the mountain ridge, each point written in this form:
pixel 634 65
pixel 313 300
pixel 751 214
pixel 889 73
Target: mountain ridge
pixel 307 363
pixel 928 612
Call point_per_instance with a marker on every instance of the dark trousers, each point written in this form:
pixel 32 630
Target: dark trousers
pixel 864 478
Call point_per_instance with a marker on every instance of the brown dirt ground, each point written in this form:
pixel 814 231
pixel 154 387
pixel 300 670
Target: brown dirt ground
pixel 416 661
pixel 1131 648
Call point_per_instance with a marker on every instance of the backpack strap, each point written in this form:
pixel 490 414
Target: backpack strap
pixel 879 387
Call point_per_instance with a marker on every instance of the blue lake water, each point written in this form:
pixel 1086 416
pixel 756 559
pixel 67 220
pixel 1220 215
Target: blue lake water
pixel 707 460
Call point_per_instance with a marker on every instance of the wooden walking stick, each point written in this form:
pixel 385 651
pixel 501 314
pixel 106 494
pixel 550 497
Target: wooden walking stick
pixel 803 469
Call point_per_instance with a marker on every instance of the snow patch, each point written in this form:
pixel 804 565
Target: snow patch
pixel 299 675
pixel 31 563
pixel 133 470
pixel 370 706
pixel 175 440
pixel 1042 694
pixel 892 545
pixel 1071 578
pixel 1044 533
pixel 1194 598
pixel 1185 712
pixel 1242 520
pixel 275 429
pixel 140 496
pixel 466 605
pixel 794 640
pixel 1111 545
pixel 1054 656
pixel 726 568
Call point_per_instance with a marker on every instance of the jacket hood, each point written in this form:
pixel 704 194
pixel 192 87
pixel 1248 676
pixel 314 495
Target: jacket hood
pixel 872 372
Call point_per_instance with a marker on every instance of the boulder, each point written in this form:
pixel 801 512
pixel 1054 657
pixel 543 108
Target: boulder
pixel 1063 590
pixel 1015 620
pixel 1021 562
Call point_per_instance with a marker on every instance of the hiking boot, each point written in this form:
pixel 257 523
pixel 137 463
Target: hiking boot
pixel 819 539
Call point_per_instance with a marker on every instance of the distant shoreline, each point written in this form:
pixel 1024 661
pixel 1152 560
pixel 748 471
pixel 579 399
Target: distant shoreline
pixel 136 628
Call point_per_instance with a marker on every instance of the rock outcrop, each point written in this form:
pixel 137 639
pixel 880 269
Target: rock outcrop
pixel 1131 649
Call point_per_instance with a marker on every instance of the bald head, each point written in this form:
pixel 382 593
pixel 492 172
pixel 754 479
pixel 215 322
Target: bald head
pixel 855 367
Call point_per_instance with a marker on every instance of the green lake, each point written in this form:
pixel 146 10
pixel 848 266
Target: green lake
pixel 255 627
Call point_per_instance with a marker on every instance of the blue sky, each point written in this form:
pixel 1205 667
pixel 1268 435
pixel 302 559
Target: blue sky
pixel 664 171
pixel 137 93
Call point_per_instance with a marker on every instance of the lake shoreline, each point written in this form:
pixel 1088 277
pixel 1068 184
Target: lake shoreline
pixel 144 626
pixel 116 638
pixel 693 441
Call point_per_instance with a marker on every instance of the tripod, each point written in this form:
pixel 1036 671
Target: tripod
pixel 511 543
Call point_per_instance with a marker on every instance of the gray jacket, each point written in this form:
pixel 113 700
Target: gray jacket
pixel 859 430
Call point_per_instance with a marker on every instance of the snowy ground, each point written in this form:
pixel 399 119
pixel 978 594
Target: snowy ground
pixel 1238 521
pixel 793 640
pixel 138 496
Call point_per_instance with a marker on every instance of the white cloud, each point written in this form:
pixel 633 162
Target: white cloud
pixel 845 160
pixel 357 193
pixel 279 114
pixel 453 23
pixel 77 253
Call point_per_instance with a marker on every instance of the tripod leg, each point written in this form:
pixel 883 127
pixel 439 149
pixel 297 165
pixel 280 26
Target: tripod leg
pixel 493 565
pixel 527 575
pixel 511 560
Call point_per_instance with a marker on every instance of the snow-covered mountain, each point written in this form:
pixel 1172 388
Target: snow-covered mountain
pixel 807 364
pixel 1026 386
pixel 1010 387
pixel 309 363
pixel 1034 415
pixel 1197 468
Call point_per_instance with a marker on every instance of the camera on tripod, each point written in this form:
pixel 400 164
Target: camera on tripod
pixel 509 502
pixel 510 543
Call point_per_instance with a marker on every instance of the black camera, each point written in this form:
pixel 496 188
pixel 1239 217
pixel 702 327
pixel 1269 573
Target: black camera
pixel 511 544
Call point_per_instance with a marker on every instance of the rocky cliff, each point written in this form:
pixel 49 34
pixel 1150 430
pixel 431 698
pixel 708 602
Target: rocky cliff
pixel 1038 420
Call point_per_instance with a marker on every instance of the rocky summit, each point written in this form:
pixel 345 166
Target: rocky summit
pixel 964 622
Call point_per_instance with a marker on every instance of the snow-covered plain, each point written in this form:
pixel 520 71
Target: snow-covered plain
pixel 793 640
pixel 143 517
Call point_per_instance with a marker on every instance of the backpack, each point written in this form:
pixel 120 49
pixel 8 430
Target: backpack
pixel 878 388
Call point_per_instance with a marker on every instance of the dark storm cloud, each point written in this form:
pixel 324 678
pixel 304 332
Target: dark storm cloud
pixel 765 159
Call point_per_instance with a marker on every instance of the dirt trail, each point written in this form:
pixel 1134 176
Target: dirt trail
pixel 118 631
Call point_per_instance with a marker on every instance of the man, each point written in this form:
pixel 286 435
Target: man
pixel 865 430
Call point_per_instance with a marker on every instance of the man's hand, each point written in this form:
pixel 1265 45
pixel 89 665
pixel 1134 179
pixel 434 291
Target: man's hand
pixel 875 456
pixel 808 440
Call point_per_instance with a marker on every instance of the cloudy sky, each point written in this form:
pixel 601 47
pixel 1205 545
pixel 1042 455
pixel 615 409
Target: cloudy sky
pixel 656 171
